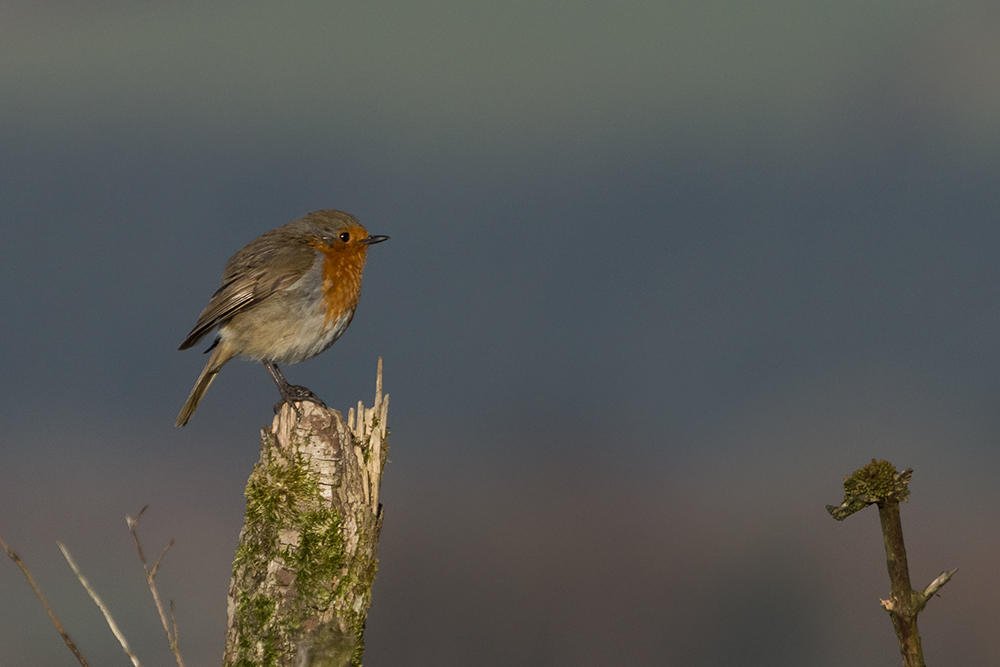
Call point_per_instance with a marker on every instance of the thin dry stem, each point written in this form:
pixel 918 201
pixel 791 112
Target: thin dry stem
pixel 41 598
pixel 100 605
pixel 133 526
pixel 936 585
pixel 173 622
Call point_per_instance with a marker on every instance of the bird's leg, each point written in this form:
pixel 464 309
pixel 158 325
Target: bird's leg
pixel 290 393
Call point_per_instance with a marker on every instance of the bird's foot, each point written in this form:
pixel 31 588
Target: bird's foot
pixel 294 393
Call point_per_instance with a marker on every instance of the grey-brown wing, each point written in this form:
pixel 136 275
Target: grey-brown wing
pixel 253 274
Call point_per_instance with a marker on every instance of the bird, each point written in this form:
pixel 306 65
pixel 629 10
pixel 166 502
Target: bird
pixel 285 297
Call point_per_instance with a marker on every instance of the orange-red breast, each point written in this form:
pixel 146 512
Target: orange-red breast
pixel 285 297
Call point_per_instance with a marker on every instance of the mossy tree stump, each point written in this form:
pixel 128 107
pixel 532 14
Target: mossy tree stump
pixel 306 560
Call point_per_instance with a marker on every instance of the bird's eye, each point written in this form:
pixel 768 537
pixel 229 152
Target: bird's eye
pixel 344 236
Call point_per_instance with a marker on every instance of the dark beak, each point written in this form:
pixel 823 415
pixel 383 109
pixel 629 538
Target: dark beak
pixel 371 240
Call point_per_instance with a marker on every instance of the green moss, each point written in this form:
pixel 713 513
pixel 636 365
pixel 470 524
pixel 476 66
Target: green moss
pixel 256 611
pixel 876 483
pixel 284 494
pixel 877 480
pixel 275 490
pixel 319 557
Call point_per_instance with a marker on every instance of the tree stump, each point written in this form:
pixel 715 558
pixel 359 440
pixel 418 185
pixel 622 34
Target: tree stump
pixel 306 560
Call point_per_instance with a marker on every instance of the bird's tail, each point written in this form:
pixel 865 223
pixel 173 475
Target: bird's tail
pixel 219 357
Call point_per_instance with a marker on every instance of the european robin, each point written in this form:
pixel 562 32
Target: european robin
pixel 285 297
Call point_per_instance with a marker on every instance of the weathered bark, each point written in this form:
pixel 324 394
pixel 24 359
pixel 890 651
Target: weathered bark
pixel 306 559
pixel 904 603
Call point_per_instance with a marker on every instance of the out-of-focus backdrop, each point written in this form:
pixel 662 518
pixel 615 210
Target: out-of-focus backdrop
pixel 661 274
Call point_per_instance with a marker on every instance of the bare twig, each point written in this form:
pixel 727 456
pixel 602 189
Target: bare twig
pixel 41 598
pixel 173 622
pixel 878 483
pixel 100 605
pixel 936 585
pixel 171 627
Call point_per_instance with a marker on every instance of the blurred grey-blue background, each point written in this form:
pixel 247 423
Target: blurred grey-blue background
pixel 660 275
